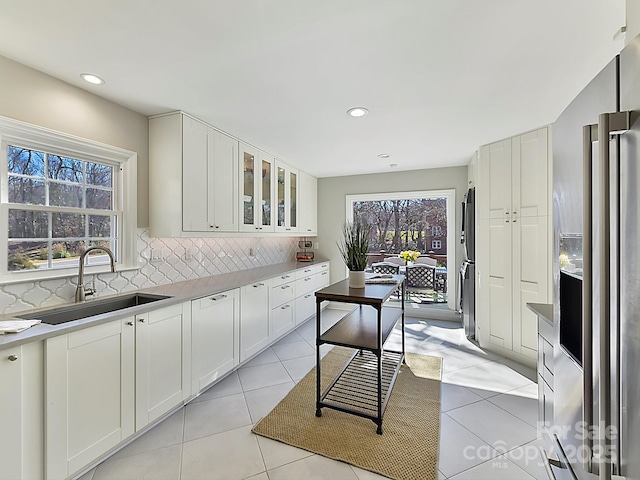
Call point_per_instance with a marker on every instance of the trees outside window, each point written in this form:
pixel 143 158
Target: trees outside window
pixel 404 224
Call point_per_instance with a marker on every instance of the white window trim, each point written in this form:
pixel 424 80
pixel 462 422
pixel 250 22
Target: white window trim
pixel 438 242
pixel 450 195
pixel 125 190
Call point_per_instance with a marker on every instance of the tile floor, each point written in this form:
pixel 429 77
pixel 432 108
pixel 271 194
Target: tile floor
pixel 488 422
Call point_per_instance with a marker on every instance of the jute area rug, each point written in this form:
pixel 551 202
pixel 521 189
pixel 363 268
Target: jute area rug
pixel 408 448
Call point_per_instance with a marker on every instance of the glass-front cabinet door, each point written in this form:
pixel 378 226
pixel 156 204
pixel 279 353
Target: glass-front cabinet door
pixel 286 198
pixel 266 195
pixel 256 179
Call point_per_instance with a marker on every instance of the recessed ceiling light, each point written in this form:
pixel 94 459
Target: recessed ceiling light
pixel 383 155
pixel 94 79
pixel 357 111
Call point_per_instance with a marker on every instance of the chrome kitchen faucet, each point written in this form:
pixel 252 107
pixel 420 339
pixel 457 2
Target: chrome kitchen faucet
pixel 81 292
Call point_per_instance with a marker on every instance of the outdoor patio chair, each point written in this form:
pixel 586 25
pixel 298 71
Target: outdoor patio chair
pixel 427 261
pixel 420 278
pixel 395 260
pixel 385 267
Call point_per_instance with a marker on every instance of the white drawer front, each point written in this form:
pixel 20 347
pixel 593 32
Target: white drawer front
pixel 282 293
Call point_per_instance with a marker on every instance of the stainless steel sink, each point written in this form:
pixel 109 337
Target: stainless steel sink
pixel 59 315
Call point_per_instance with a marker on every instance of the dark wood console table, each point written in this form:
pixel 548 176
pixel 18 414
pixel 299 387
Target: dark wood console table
pixel 356 389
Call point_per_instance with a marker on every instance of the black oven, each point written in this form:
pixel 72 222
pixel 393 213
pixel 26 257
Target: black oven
pixel 571 315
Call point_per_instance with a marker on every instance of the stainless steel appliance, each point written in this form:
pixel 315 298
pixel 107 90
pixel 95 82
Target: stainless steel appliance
pixel 596 176
pixel 468 268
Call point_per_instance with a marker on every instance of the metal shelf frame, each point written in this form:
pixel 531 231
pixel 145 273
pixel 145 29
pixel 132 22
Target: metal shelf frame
pixel 366 328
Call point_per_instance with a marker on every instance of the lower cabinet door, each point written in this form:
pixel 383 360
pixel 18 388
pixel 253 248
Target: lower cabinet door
pixel 215 337
pixel 305 307
pixel 282 320
pixel 21 412
pixel 160 382
pixel 89 395
pixel 254 319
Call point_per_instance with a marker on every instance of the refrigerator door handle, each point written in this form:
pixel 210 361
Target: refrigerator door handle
pixel 589 135
pixel 608 124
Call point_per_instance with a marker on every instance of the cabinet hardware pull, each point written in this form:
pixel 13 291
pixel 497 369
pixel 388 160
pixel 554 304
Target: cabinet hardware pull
pixel 285 286
pixel 506 221
pixel 506 213
pixel 307 270
pixel 130 324
pixel 307 279
pixel 258 285
pixel 219 297
pixel 515 213
pixel 141 320
pixel 515 220
pixel 284 276
pixel 12 358
pixel 308 229
pixel 284 307
pixel 307 295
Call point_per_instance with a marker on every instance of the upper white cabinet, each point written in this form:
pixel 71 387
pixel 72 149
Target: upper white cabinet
pixel 192 177
pixel 203 182
pixel 22 412
pixel 308 196
pixel 514 175
pixel 286 198
pixel 257 174
pixel 513 261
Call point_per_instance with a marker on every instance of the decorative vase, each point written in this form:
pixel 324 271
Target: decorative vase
pixel 356 279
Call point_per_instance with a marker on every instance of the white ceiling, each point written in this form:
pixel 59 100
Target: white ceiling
pixel 440 77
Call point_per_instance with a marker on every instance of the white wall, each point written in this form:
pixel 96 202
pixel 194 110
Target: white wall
pixel 33 97
pixel 633 20
pixel 332 193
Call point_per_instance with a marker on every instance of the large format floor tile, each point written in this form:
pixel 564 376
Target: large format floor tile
pixel 488 420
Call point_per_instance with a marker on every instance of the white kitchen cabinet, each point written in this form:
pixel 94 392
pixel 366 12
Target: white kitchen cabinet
pixel 514 177
pixel 257 174
pixel 192 177
pixel 215 330
pixel 512 248
pixel 162 342
pixel 89 394
pixel 22 412
pixel 282 297
pixel 286 198
pixel 210 179
pixel 308 210
pixel 254 319
pixel 323 277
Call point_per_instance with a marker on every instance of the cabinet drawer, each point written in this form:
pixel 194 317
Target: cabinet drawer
pixel 305 307
pixel 210 301
pixel 322 279
pixel 282 293
pixel 545 360
pixel 306 271
pixel 282 319
pixel 305 285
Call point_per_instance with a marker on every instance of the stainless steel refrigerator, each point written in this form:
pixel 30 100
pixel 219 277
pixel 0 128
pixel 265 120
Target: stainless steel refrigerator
pixel 595 431
pixel 468 268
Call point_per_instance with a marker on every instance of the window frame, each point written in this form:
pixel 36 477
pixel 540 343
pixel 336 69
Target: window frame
pixel 436 242
pixel 14 132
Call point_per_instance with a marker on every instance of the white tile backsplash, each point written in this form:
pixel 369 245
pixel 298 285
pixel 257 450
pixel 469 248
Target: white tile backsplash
pixel 182 259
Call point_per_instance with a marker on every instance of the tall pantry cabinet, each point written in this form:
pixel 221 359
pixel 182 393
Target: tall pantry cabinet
pixel 513 248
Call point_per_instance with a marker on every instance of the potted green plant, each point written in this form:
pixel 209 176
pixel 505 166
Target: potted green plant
pixel 354 248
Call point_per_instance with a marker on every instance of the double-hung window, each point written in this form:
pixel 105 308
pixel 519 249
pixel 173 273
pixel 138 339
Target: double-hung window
pixel 59 196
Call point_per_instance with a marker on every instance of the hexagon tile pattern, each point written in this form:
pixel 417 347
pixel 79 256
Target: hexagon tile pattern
pixel 161 261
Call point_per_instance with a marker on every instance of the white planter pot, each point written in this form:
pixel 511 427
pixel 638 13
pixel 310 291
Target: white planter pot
pixel 356 279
